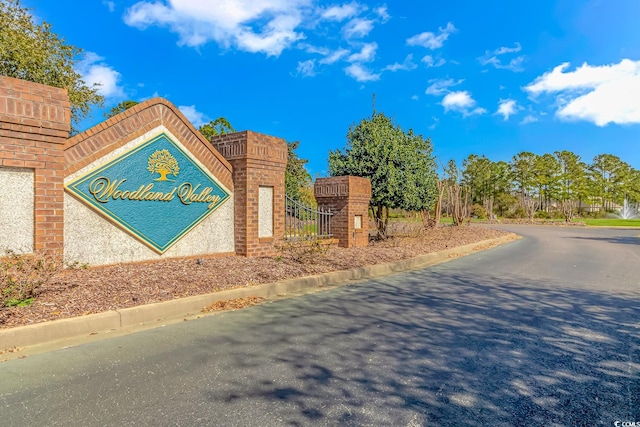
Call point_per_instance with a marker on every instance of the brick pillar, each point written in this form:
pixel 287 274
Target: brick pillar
pixel 258 162
pixel 348 197
pixel 34 125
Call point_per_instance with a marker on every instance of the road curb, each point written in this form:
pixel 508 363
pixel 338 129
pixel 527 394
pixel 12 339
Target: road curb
pixel 152 315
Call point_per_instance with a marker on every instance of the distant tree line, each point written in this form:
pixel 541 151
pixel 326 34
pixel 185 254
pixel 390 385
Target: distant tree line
pixel 557 183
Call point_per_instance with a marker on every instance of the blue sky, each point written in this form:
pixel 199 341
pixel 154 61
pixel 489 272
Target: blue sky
pixel 485 77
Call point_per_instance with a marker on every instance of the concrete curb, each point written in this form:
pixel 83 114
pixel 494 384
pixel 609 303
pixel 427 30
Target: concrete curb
pixel 152 315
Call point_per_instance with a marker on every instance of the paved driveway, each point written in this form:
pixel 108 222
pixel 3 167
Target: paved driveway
pixel 541 332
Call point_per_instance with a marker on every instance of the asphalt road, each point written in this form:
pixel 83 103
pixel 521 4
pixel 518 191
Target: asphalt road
pixel 544 331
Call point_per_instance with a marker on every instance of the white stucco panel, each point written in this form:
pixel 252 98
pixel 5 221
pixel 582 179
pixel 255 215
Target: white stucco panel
pixel 265 212
pixel 91 238
pixel 16 210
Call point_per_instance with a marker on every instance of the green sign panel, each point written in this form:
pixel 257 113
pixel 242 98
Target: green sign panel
pixel 155 191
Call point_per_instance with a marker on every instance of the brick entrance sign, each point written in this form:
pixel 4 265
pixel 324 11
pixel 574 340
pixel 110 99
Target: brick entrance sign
pixel 348 197
pixel 145 185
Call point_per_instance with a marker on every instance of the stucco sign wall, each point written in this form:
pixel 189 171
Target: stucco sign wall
pixel 154 191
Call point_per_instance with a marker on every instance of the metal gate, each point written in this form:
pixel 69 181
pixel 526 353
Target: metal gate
pixel 303 222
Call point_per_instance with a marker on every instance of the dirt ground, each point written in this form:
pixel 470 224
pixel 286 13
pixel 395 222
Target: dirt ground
pixel 78 292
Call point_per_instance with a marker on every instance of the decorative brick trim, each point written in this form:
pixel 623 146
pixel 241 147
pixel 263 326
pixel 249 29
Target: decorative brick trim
pixel 94 143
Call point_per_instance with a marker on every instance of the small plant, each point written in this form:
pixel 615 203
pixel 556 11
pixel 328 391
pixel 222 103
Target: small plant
pixel 77 265
pixel 405 229
pixel 303 250
pixel 22 275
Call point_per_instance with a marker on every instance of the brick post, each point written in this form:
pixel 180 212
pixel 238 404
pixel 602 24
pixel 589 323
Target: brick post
pixel 34 125
pixel 348 197
pixel 258 162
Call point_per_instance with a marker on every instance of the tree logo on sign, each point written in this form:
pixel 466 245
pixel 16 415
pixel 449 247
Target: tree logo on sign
pixel 164 163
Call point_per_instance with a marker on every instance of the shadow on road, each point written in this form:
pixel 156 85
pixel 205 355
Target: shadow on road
pixel 619 240
pixel 500 352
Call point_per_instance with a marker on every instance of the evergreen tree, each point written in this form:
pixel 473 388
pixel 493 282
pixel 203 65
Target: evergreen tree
pixel 399 164
pixel 35 53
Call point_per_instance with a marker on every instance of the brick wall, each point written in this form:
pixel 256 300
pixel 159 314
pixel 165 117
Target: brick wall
pixel 348 197
pixel 257 160
pixel 34 126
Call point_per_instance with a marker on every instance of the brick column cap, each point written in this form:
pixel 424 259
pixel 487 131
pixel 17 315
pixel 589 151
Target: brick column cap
pixel 250 145
pixel 353 187
pixel 35 106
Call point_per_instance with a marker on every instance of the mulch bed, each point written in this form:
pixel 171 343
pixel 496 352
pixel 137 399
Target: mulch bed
pixel 78 292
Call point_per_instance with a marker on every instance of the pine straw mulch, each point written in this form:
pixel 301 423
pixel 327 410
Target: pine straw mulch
pixel 78 292
pixel 233 304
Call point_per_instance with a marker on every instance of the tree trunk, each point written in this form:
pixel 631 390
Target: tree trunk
pixel 381 222
pixel 427 221
pixel 460 207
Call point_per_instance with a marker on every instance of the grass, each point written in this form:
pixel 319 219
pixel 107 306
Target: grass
pixel 591 222
pixel 610 222
pixel 449 220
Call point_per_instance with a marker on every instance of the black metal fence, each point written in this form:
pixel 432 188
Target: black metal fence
pixel 303 222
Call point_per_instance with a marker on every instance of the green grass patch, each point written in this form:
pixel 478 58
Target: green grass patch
pixel 449 220
pixel 610 222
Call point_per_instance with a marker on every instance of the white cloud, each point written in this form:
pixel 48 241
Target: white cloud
pixel 307 68
pixel 502 50
pixel 366 54
pixel 492 58
pixel 361 73
pixel 431 62
pixel 458 100
pixel 407 65
pixel 335 56
pixel 431 40
pixel 95 71
pixel 309 48
pixel 598 94
pixel 110 5
pixel 346 11
pixel 195 117
pixel 382 13
pixel 440 86
pixel 435 123
pixel 507 107
pixel 415 97
pixel 529 119
pixel 357 28
pixel 462 102
pixel 267 26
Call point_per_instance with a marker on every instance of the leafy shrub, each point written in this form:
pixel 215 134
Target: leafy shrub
pixel 478 211
pixel 597 214
pixel 542 215
pixel 21 276
pixel 518 213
